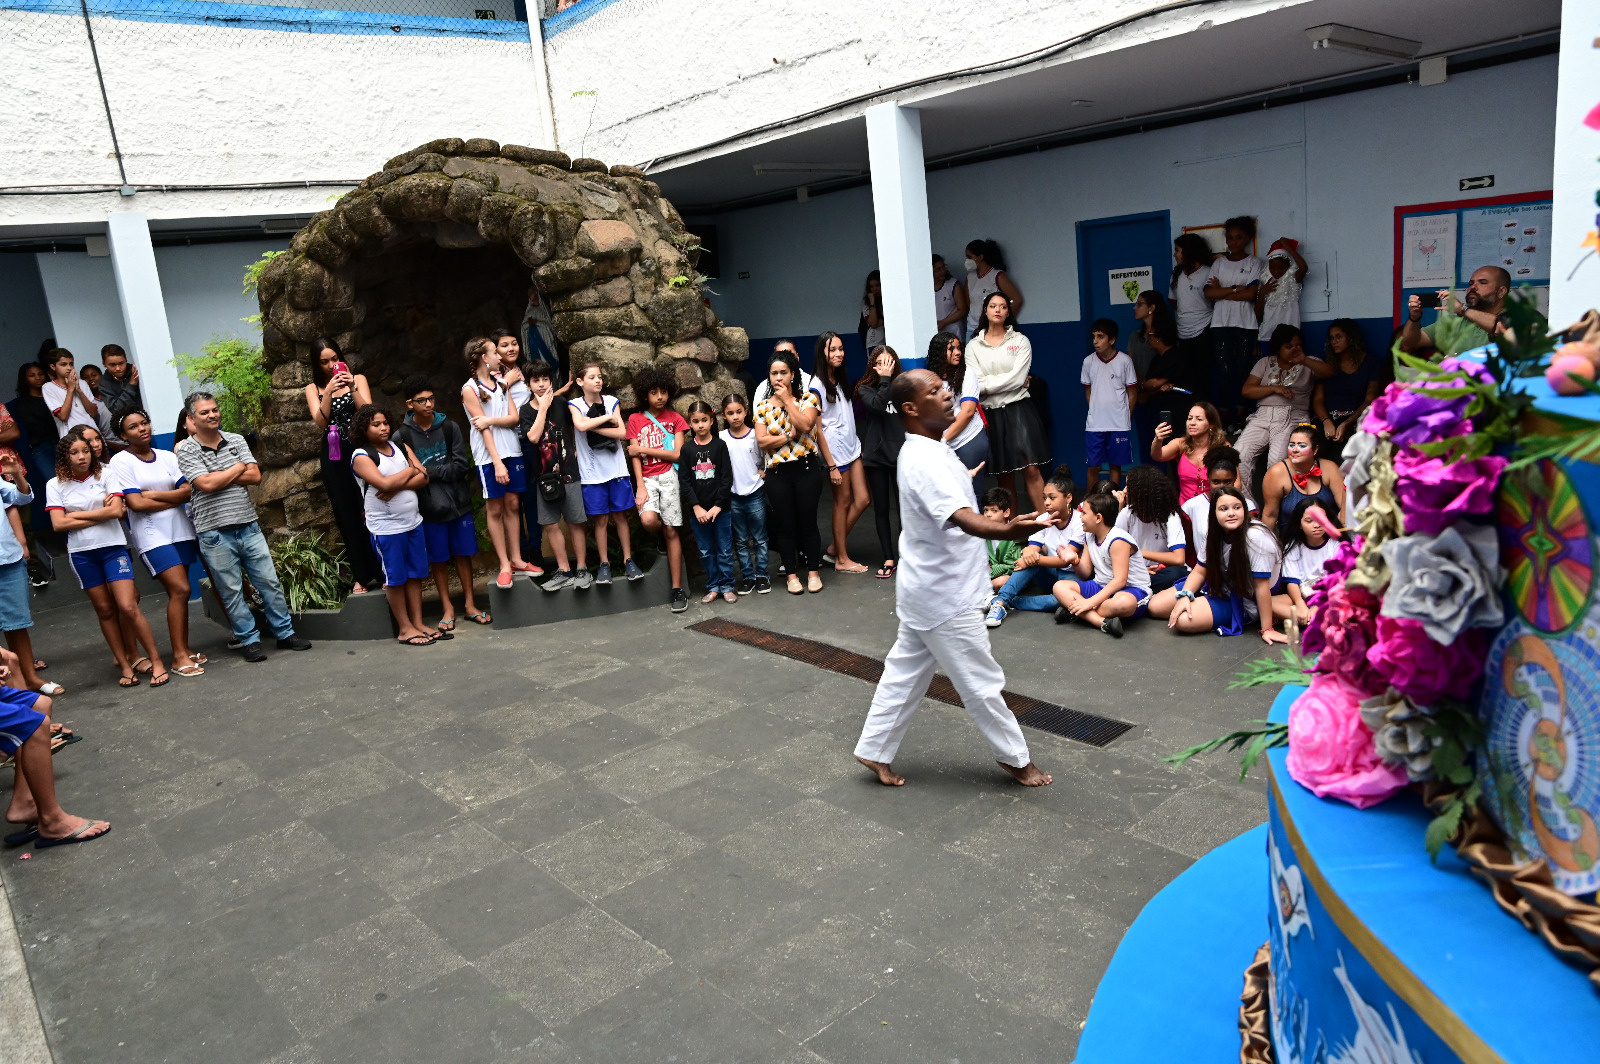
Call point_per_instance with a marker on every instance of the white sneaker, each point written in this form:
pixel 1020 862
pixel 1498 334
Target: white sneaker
pixel 997 614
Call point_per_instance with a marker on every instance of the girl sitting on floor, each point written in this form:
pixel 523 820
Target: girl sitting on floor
pixel 1306 548
pixel 1150 516
pixel 1238 564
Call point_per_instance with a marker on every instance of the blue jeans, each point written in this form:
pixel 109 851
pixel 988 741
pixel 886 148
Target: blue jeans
pixel 715 540
pixel 230 554
pixel 749 514
pixel 1012 594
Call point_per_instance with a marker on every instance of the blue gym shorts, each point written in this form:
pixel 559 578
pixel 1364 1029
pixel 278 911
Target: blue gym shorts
pixel 158 560
pixel 101 565
pixel 450 539
pixel 403 555
pixel 18 718
pixel 1090 588
pixel 1109 448
pixel 612 497
pixel 516 485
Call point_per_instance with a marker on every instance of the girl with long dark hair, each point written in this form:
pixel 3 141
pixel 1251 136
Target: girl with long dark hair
pixel 1192 258
pixel 841 449
pixel 986 275
pixel 1340 400
pixel 1002 357
pixel 966 436
pixel 1238 566
pixel 334 395
pixel 882 434
pixel 787 424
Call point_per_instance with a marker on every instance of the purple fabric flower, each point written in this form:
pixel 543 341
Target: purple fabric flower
pixel 1410 415
pixel 1419 668
pixel 1433 493
pixel 1335 569
pixel 1477 371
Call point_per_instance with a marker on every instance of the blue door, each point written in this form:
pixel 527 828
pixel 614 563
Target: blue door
pixel 1117 259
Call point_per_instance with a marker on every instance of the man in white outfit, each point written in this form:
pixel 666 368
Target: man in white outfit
pixel 940 589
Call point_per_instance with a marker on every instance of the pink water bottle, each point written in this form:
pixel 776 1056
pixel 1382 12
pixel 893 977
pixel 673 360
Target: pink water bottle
pixel 334 453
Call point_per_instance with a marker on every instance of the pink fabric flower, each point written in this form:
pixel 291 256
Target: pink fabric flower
pixel 1341 633
pixel 1331 752
pixel 1335 569
pixel 1433 493
pixel 1422 670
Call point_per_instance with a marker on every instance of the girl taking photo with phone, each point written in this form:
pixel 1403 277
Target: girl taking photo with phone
pixel 334 395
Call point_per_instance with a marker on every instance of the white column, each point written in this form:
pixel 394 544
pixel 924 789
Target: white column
pixel 900 214
pixel 144 314
pixel 541 78
pixel 1577 169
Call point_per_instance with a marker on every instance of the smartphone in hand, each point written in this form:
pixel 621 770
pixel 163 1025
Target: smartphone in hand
pixel 1429 300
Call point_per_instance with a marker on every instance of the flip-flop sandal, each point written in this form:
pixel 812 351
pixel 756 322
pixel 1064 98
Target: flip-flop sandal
pixel 21 838
pixel 39 665
pixel 481 617
pixel 189 670
pixel 42 843
pixel 51 689
pixel 443 634
pixel 885 572
pixel 417 641
pixel 161 681
pixel 858 569
pixel 59 742
pixel 199 659
pixel 447 625
pixel 129 681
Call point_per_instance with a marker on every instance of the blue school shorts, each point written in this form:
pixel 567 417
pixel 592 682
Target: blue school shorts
pixel 101 565
pixel 403 555
pixel 1091 588
pixel 515 485
pixel 612 497
pixel 1222 613
pixel 18 718
pixel 450 539
pixel 14 612
pixel 159 559
pixel 1109 448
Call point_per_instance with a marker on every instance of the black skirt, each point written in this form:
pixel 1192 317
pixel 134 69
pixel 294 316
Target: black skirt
pixel 1016 437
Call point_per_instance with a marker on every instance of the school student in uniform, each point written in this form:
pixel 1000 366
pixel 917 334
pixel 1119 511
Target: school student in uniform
pixel 748 504
pixel 940 589
pixel 155 493
pixel 608 493
pixel 1150 515
pixel 705 474
pixel 497 453
pixel 391 475
pixel 446 501
pixel 1232 584
pixel 1115 582
pixel 85 505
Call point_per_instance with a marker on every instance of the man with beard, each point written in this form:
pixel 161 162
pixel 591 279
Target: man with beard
pixel 1482 307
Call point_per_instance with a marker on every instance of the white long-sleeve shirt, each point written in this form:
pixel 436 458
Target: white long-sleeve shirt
pixel 1003 368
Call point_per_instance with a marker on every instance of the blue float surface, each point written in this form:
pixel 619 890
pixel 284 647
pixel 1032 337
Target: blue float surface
pixel 1440 923
pixel 1172 990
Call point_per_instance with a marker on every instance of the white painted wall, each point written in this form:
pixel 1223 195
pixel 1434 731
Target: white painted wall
pixel 1328 172
pixel 671 75
pixel 197 105
pixel 82 295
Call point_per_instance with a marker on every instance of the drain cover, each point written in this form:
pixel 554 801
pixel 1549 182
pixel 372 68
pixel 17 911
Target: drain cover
pixel 1031 712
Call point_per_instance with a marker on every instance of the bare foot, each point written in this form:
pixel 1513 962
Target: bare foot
pixel 1028 775
pixel 886 775
pixel 69 825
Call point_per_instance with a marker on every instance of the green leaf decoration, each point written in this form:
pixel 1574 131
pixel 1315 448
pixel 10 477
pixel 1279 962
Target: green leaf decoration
pixel 1257 740
pixel 1291 669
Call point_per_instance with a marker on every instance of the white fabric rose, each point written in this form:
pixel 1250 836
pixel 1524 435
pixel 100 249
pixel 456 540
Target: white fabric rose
pixel 1447 582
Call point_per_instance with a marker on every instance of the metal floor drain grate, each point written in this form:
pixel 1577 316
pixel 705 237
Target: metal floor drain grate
pixel 1031 712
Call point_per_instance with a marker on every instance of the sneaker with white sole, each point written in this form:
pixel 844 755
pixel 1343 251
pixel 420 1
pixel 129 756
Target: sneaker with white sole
pixel 1112 626
pixel 631 569
pixel 763 586
pixel 997 614
pixel 582 579
pixel 744 587
pixel 559 580
pixel 603 575
pixel 680 600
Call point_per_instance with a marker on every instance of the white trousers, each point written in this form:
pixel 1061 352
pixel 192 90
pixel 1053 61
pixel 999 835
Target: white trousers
pixel 959 646
pixel 1267 430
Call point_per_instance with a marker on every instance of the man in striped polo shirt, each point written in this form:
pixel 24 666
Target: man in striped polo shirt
pixel 218 466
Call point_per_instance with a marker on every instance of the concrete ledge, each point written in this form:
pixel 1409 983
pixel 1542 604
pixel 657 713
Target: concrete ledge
pixel 362 617
pixel 524 604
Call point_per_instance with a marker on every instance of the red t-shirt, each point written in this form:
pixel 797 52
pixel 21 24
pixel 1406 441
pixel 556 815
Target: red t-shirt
pixel 647 434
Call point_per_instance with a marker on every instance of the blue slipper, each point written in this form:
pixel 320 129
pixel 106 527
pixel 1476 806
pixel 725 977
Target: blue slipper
pixel 23 837
pixel 67 840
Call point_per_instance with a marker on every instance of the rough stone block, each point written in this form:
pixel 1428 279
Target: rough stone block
pixel 494 216
pixel 602 238
pixel 688 374
pixel 622 170
pixel 466 199
pixel 519 153
pixel 481 146
pixel 732 343
pixel 362 213
pixel 563 275
pixel 619 359
pixel 427 162
pixel 532 235
pixel 676 313
pixel 308 510
pixel 628 322
pixel 416 197
pixel 612 293
pixel 291 375
pixel 277 485
pixel 588 166
pixel 715 391
pixel 289 442
pixel 289 404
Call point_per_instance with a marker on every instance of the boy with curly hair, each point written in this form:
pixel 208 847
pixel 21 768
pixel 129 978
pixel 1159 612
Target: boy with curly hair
pixel 655 438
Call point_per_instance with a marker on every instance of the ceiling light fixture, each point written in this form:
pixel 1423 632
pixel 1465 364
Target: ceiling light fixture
pixel 807 168
pixel 1350 39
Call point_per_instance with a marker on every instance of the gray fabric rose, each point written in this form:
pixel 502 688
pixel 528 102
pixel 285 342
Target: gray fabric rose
pixel 1447 582
pixel 1399 732
pixel 1356 467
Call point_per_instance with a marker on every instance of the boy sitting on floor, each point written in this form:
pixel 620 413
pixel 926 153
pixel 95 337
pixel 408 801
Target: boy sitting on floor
pixel 1003 553
pixel 1049 554
pixel 1118 579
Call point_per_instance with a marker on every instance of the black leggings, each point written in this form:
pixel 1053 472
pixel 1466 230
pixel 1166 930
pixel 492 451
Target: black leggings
pixel 793 490
pixel 344 496
pixel 885 495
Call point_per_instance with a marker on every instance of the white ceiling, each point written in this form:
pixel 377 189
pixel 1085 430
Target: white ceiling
pixel 1247 58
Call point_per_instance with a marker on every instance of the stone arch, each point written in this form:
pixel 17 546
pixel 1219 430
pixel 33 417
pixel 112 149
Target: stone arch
pixel 441 245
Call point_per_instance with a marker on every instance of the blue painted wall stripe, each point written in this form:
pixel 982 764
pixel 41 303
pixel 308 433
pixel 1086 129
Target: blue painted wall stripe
pixel 282 19
pixel 565 20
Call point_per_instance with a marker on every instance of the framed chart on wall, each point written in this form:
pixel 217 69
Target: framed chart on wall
pixel 1438 245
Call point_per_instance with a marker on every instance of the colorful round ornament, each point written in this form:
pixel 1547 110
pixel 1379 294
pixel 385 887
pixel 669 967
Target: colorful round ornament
pixel 1546 547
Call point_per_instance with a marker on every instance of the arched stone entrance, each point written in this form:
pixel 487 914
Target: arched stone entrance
pixel 442 245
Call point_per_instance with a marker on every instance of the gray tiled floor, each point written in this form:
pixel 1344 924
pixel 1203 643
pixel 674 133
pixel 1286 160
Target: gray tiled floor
pixel 612 840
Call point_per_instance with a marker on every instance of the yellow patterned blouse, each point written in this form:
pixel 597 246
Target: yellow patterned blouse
pixel 776 421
